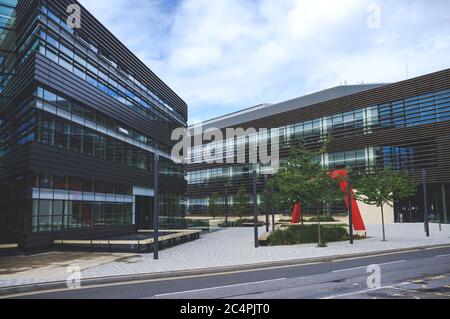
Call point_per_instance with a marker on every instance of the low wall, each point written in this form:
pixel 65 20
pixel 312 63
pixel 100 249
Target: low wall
pixel 372 214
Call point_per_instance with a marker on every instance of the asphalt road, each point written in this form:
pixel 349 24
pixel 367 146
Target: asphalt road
pixel 416 274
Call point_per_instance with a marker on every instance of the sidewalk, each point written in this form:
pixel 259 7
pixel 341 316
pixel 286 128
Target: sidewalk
pixel 230 247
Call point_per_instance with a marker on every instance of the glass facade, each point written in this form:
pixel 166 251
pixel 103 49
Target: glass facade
pixel 65 124
pixel 69 49
pixel 82 129
pixel 43 198
pixel 61 202
pixel 419 110
pixel 358 158
pixel 417 153
pixel 7 42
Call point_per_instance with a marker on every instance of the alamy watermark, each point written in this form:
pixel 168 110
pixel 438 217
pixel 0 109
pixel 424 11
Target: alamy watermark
pixel 74 19
pixel 374 279
pixel 374 18
pixel 73 280
pixel 234 146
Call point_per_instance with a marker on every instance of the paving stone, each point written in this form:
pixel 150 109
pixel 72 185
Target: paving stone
pixel 229 247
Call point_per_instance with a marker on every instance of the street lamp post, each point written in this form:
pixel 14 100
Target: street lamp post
pixel 350 208
pixel 255 210
pixel 266 204
pixel 155 208
pixel 226 205
pixel 273 209
pixel 425 202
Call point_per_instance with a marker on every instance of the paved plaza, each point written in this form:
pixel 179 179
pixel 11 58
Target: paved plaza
pixel 229 247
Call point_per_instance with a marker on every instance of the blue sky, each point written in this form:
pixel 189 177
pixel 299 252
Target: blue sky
pixel 224 55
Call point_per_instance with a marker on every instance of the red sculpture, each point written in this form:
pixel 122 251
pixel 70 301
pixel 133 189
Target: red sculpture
pixel 296 213
pixel 358 223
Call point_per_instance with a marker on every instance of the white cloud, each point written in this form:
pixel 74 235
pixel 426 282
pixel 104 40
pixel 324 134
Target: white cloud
pixel 223 55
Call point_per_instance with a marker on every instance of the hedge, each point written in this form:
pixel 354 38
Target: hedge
pixel 240 222
pixel 197 223
pixel 322 219
pixel 307 234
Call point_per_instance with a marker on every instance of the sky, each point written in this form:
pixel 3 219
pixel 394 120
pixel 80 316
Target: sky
pixel 221 56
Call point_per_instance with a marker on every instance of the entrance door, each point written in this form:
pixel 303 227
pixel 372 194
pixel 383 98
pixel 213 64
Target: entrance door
pixel 144 212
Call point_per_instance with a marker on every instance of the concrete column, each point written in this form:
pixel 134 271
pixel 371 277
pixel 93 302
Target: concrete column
pixel 444 204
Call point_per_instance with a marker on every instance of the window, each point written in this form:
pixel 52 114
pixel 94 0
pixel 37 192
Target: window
pixel 62 133
pixel 75 138
pixel 52 41
pixel 45 215
pixel 53 16
pixel 91 80
pixel 63 103
pixel 80 60
pixel 100 186
pixel 80 72
pixel 66 51
pixel 75 183
pixel 50 97
pixel 99 214
pixel 88 142
pixel 91 68
pixel 308 126
pixel 102 86
pixel 89 114
pixel 52 55
pixel 47 129
pixel 65 64
pixel 58 211
pixel 60 182
pixel 77 109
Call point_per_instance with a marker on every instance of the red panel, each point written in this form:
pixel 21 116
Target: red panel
pixel 296 213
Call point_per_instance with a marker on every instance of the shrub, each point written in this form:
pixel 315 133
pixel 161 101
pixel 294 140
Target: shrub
pixel 323 219
pixel 311 220
pixel 307 234
pixel 197 223
pixel 237 223
pixel 240 223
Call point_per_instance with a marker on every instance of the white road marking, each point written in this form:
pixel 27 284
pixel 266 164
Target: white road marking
pixel 354 293
pixel 365 267
pixel 135 282
pixel 368 290
pixel 440 256
pixel 219 287
pixel 377 255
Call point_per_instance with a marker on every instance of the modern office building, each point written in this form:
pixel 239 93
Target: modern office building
pixel 404 125
pixel 81 120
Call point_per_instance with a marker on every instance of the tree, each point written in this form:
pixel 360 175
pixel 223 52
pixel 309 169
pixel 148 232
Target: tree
pixel 383 187
pixel 301 178
pixel 213 205
pixel 241 201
